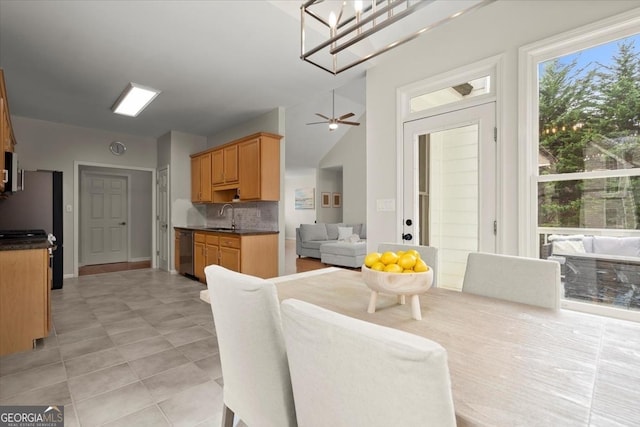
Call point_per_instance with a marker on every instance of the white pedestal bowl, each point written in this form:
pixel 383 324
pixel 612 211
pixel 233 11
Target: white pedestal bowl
pixel 400 284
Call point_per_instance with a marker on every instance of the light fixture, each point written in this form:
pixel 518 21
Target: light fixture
pixel 133 99
pixel 355 34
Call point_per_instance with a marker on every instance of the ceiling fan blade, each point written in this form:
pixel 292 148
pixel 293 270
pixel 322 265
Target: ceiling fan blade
pixel 317 123
pixel 348 123
pixel 323 116
pixel 346 116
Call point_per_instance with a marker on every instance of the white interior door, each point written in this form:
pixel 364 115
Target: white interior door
pixel 449 199
pixel 104 219
pixel 162 216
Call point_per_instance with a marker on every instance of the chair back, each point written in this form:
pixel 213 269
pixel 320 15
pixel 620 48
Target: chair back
pixel 255 371
pixel 518 279
pixel 348 372
pixel 429 254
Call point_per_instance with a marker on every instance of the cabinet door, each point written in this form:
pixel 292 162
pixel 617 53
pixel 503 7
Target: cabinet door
pixel 211 255
pixel 205 178
pixel 249 165
pixel 217 167
pixel 230 258
pixel 176 253
pixel 195 179
pixel 199 255
pixel 231 164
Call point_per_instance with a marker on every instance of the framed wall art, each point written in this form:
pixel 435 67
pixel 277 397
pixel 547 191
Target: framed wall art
pixel 305 198
pixel 326 200
pixel 337 200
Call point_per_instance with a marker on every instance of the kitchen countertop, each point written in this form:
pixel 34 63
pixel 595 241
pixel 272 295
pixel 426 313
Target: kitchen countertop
pixel 24 244
pixel 236 232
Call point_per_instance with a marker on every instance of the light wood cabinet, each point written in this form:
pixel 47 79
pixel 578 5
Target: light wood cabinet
pixel 201 178
pixel 256 255
pixel 248 166
pixel 7 138
pixel 25 307
pixel 225 166
pixel 259 168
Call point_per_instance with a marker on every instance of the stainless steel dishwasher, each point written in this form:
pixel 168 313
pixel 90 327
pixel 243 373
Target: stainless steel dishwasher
pixel 186 252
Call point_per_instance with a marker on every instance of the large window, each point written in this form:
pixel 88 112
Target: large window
pixel 586 197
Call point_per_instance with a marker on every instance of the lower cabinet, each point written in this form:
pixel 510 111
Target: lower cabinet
pixel 25 307
pixel 256 255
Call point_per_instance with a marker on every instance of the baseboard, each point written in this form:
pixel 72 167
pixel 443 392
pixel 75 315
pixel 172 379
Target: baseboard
pixel 139 259
pixel 68 276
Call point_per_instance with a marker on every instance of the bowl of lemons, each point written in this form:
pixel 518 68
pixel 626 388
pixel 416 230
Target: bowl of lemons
pixel 401 273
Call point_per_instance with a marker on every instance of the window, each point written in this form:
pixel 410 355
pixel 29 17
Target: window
pixel 584 95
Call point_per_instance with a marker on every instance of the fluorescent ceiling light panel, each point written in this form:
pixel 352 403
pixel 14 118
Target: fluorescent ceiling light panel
pixel 134 99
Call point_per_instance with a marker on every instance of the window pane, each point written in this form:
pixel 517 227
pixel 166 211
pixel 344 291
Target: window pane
pixel 588 109
pixel 600 203
pixel 451 94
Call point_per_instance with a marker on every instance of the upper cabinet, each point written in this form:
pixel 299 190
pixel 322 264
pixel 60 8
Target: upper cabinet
pixel 7 138
pixel 248 167
pixel 225 166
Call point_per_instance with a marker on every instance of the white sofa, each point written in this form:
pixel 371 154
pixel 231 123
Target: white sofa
pixel 341 247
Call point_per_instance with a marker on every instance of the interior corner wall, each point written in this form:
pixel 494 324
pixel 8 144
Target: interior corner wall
pixel 499 28
pixel 294 217
pixel 56 146
pixel 350 154
pixel 329 181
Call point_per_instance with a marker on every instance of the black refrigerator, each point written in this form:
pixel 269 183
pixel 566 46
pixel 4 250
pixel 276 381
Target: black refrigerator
pixel 38 206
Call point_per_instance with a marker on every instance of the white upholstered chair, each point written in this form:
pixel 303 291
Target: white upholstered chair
pixel 255 371
pixel 347 372
pixel 429 254
pixel 518 279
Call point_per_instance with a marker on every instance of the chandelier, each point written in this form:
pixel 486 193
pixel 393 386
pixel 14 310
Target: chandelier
pixel 343 34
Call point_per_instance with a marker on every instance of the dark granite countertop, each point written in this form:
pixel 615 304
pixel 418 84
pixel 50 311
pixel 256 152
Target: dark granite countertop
pixel 24 244
pixel 236 232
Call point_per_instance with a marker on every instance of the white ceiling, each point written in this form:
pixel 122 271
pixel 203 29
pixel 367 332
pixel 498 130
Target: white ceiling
pixel 218 63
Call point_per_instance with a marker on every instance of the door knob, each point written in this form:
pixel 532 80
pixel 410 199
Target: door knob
pixel 407 236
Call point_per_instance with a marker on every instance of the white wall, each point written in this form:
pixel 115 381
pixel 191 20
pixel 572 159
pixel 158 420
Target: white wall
pixel 329 180
pixel 499 28
pixel 350 154
pixel 294 217
pixel 55 146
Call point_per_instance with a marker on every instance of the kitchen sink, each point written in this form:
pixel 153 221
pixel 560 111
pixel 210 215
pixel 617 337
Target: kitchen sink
pixel 226 229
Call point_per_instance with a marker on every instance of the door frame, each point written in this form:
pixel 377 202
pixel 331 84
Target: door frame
pixel 170 253
pixel 493 66
pixel 76 206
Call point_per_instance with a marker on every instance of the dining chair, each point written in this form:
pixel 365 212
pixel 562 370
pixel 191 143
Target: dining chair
pixel 429 254
pixel 525 280
pixel 255 370
pixel 348 372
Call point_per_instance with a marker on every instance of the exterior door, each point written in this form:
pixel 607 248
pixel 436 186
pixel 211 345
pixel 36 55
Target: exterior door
pixel 163 219
pixel 104 218
pixel 449 190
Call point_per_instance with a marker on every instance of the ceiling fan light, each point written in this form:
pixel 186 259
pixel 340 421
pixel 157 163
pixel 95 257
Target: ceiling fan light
pixel 333 126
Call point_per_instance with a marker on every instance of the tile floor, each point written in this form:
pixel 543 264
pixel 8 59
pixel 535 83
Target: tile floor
pixel 130 348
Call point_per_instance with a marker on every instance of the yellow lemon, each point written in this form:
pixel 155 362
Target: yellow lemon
pixel 420 266
pixel 407 261
pixel 400 253
pixel 378 266
pixel 389 258
pixel 408 270
pixel 371 258
pixel 392 268
pixel 413 252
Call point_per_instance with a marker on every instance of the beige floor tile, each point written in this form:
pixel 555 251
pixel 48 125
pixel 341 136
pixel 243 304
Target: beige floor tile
pixel 112 405
pixel 185 336
pixel 194 405
pixel 22 361
pixel 55 394
pixel 151 416
pixel 200 349
pixel 80 348
pixel 170 382
pixel 23 381
pixel 92 362
pixel 158 362
pixel 144 348
pixel 96 382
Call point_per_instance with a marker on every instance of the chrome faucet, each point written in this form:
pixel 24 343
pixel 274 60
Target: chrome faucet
pixel 233 214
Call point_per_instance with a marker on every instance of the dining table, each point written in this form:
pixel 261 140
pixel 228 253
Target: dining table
pixel 510 364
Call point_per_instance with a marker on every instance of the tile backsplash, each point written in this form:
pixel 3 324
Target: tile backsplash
pixel 248 215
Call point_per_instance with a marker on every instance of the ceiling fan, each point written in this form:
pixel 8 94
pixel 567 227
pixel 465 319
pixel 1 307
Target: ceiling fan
pixel 334 121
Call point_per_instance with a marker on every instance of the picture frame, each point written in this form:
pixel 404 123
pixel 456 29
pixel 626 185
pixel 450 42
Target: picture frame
pixel 337 200
pixel 325 198
pixel 305 198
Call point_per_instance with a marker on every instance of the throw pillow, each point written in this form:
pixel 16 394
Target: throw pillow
pixel 313 232
pixel 332 231
pixel 568 247
pixel 344 232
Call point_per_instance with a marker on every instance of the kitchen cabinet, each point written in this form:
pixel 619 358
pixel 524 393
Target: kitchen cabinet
pixel 176 251
pixel 256 255
pixel 201 178
pixel 25 305
pixel 259 168
pixel 225 166
pixel 7 138
pixel 248 166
